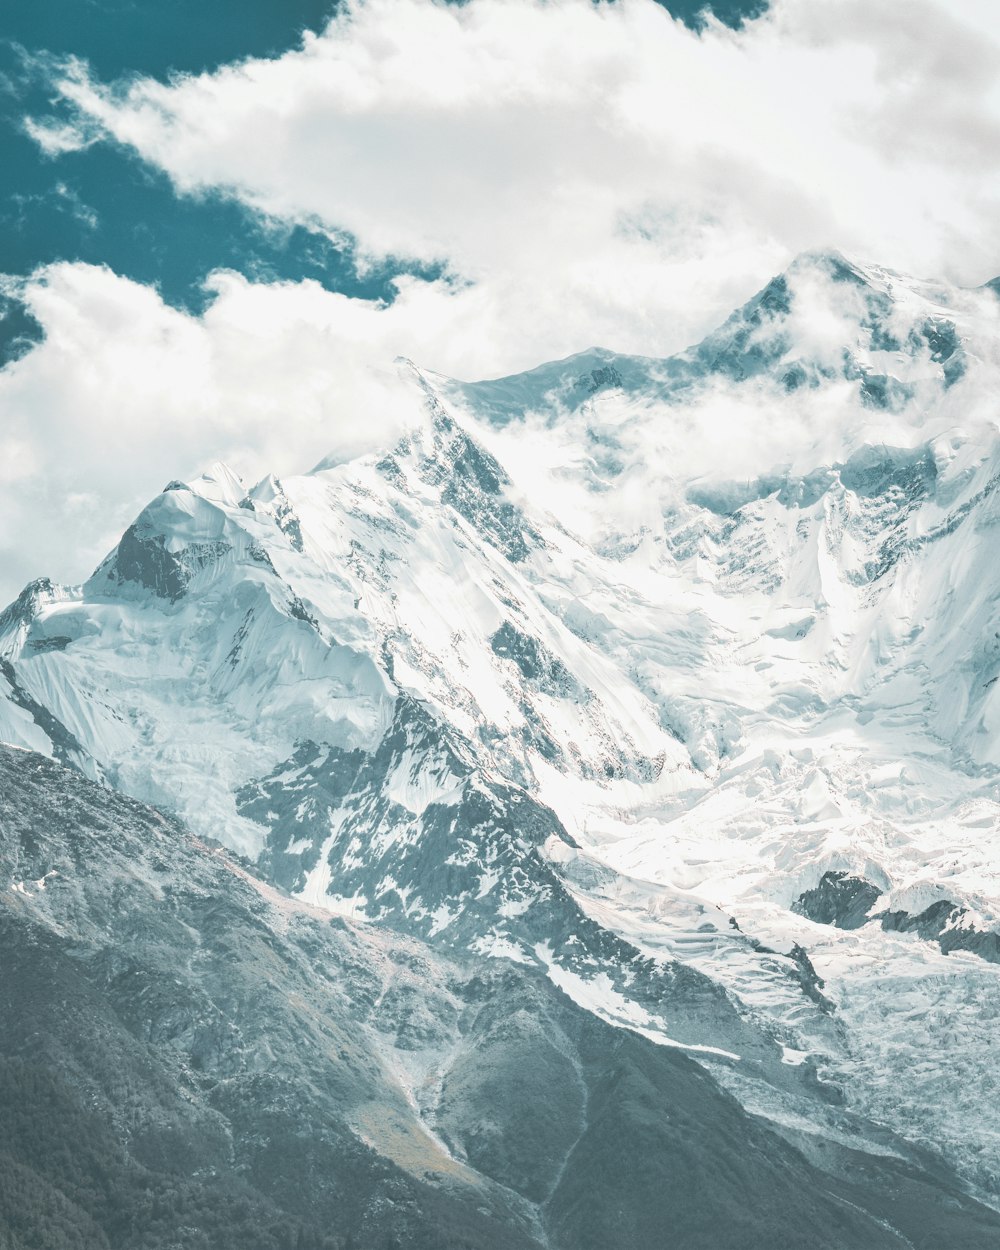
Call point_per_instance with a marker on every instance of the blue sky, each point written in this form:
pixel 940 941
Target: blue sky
pixel 103 204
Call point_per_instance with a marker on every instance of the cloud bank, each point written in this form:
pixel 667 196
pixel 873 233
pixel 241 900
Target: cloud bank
pixel 585 174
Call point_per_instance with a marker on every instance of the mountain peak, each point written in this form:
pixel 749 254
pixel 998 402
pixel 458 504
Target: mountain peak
pixel 220 483
pixel 831 261
pixel 17 618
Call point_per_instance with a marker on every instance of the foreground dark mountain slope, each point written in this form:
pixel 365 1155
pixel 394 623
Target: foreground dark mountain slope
pixel 188 1058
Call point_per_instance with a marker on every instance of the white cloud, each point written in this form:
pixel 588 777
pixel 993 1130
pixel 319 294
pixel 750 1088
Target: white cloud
pixel 514 136
pixel 126 393
pixel 589 174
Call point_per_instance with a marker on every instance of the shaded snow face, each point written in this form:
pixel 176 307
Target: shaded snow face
pixel 615 668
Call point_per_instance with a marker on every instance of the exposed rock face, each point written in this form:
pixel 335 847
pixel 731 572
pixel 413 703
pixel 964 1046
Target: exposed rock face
pixel 950 926
pixel 850 902
pixel 839 899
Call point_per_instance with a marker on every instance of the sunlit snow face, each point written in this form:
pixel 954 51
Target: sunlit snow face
pixel 476 187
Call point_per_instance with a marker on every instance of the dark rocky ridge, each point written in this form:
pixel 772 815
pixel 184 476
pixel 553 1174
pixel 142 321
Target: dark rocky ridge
pixel 188 1058
pixel 838 899
pixel 467 871
pixel 846 901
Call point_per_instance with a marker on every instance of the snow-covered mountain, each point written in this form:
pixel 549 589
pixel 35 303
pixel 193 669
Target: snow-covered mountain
pixel 675 679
